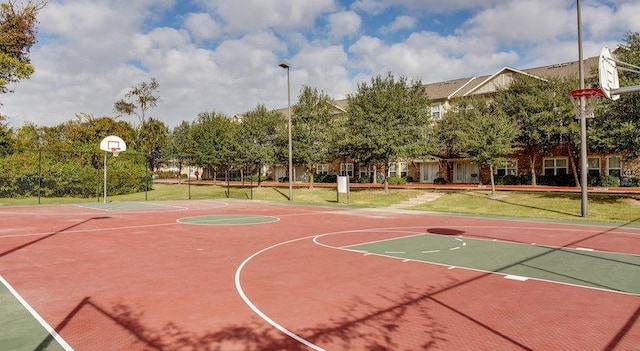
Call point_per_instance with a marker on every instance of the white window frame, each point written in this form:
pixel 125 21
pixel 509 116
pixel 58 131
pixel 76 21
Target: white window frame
pixel 322 169
pixel 346 168
pixel 510 167
pixel 610 168
pixel 436 110
pixel 555 165
pixel 404 169
pixel 591 168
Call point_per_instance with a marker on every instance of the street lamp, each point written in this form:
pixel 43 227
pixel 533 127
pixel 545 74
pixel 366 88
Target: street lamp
pixel 285 65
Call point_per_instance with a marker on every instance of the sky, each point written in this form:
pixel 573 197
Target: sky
pixel 223 56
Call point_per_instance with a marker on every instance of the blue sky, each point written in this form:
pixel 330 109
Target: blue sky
pixel 222 55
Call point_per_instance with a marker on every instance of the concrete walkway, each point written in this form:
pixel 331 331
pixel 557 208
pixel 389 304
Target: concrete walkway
pixel 419 200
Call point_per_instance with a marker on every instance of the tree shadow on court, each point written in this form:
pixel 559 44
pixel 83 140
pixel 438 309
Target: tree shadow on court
pixel 47 236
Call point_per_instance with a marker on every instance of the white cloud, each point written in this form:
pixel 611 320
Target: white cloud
pixel 242 16
pixel 344 24
pixel 224 56
pixel 400 23
pixel 202 26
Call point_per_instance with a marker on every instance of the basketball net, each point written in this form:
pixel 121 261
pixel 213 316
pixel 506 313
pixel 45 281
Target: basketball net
pixel 115 151
pixel 589 96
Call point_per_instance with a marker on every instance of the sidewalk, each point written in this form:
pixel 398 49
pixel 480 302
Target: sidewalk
pixel 425 186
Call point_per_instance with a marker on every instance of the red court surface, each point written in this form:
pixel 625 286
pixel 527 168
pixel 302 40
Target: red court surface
pixel 141 280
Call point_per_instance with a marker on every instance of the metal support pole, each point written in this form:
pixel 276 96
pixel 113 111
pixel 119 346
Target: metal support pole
pixel 584 167
pixel 105 178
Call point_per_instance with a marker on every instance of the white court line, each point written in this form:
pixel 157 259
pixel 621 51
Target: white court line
pixel 35 315
pixel 255 309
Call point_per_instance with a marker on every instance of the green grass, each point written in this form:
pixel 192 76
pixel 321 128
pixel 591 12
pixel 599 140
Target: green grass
pixel 548 205
pixel 600 207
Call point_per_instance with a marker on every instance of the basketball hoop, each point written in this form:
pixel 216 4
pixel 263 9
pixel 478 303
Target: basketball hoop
pixel 115 151
pixel 589 96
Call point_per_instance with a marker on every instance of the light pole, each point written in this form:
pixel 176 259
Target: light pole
pixel 285 65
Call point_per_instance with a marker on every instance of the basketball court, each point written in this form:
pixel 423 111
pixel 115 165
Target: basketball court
pixel 249 275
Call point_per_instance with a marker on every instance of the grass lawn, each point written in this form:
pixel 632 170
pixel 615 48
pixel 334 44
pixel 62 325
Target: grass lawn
pixel 549 205
pixel 601 207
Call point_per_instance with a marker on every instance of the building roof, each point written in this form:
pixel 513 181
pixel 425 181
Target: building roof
pixel 446 90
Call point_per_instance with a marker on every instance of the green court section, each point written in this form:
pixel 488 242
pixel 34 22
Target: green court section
pixel 610 271
pixel 228 219
pixel 125 206
pixel 19 330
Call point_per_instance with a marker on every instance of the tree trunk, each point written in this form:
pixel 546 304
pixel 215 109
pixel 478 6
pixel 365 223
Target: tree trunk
pixel 576 179
pixel 532 164
pixel 493 182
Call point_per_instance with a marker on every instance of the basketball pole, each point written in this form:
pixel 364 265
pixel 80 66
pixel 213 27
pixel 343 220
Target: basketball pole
pixel 583 124
pixel 105 178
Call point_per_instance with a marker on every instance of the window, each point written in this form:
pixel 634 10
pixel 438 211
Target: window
pixel 509 167
pixel 364 171
pixel 436 110
pixel 392 170
pixel 614 166
pixel 346 169
pixel 555 166
pixel 404 169
pixel 594 166
pixel 322 169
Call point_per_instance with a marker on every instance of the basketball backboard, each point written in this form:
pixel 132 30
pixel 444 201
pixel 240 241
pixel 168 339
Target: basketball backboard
pixel 113 144
pixel 608 74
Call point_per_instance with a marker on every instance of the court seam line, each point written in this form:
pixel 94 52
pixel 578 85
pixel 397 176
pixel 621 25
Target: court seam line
pixel 57 337
pixel 91 230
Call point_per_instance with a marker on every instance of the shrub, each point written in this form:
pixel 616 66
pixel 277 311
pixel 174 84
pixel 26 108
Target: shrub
pixel 610 181
pixel 439 181
pixel 326 178
pixel 397 180
pixel 634 182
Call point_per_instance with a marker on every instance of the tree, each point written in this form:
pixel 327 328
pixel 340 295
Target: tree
pixel 260 131
pixel 388 120
pixel 542 111
pixel 485 132
pixel 214 135
pixel 6 138
pixel 181 146
pixel 139 100
pixel 616 126
pixel 311 122
pixel 17 36
pixel 152 140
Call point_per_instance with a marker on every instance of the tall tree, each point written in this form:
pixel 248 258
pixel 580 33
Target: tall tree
pixel 214 135
pixel 485 132
pixel 259 134
pixel 181 146
pixel 616 126
pixel 139 100
pixel 389 119
pixel 17 36
pixel 153 141
pixel 311 122
pixel 6 138
pixel 542 111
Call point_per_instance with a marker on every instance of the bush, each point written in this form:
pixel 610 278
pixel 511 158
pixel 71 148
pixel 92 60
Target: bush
pixel 633 182
pixel 610 181
pixel 556 180
pixel 364 180
pixel 397 180
pixel 439 181
pixel 326 178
